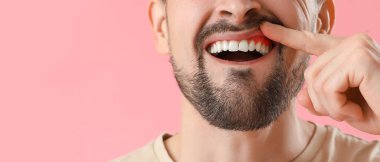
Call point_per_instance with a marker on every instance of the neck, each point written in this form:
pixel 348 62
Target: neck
pixel 198 141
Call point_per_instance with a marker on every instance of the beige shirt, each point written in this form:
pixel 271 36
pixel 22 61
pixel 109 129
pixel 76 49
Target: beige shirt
pixel 328 144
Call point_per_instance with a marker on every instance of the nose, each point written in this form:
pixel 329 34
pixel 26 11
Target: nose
pixel 236 10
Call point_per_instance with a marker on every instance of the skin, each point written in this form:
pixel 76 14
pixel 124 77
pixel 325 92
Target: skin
pixel 345 93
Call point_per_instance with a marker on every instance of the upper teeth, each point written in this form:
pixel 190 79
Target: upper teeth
pixel 243 45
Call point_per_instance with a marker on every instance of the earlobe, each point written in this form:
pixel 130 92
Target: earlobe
pixel 157 18
pixel 326 17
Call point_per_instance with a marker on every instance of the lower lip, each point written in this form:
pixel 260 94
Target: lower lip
pixel 262 58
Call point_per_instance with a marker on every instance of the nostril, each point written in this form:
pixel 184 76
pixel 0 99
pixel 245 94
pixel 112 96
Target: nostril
pixel 225 13
pixel 250 12
pixel 236 10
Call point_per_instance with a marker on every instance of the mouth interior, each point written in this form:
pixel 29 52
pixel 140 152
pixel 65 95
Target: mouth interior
pixel 239 56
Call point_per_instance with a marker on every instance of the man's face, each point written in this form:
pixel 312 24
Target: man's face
pixel 231 80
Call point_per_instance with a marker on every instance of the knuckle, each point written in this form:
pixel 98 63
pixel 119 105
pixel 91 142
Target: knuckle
pixel 362 36
pixel 361 54
pixel 337 113
pixel 309 36
pixel 309 74
pixel 362 40
pixel 319 109
pixel 335 110
pixel 306 74
pixel 337 117
pixel 366 57
pixel 318 86
pixel 314 112
pixel 325 87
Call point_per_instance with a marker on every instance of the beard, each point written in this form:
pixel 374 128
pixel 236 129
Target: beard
pixel 240 103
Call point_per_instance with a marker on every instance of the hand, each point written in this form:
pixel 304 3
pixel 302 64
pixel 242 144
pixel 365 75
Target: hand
pixel 344 80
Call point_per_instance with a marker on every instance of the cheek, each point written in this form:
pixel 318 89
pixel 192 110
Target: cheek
pixel 185 20
pixel 293 13
pixel 285 10
pixel 294 58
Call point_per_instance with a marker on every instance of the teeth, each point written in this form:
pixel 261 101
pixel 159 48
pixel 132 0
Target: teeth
pixel 213 49
pixel 242 45
pixel 251 46
pixel 225 45
pixel 263 49
pixel 258 47
pixel 233 46
pixel 219 47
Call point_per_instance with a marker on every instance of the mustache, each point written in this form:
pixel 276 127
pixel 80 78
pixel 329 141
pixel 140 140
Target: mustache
pixel 253 20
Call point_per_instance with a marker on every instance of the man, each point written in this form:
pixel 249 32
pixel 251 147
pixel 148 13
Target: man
pixel 240 65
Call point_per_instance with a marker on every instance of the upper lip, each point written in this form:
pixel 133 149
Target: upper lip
pixel 240 35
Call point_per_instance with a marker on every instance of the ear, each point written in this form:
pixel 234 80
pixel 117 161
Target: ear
pixel 326 17
pixel 158 22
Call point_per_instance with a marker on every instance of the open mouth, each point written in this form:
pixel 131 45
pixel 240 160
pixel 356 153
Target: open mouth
pixel 241 50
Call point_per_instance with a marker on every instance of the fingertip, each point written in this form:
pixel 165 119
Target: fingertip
pixel 354 111
pixel 264 27
pixel 307 105
pixel 265 23
pixel 304 99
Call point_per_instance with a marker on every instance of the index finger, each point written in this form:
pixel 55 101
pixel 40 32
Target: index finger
pixel 315 44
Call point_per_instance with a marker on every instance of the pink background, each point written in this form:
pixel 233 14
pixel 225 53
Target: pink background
pixel 81 81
